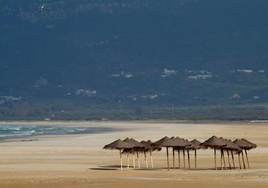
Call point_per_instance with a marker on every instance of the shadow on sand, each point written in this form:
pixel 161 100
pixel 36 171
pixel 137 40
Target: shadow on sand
pixel 117 167
pixel 109 167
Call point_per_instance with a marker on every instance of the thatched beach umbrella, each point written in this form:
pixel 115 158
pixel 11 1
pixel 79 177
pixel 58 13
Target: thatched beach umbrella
pixel 195 145
pixel 166 142
pixel 245 145
pixel 188 154
pixel 232 147
pixel 149 147
pixel 118 145
pixel 222 154
pixel 180 144
pixel 146 148
pixel 136 147
pixel 214 143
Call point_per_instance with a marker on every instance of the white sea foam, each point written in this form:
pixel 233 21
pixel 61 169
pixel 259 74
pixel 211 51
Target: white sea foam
pixel 16 130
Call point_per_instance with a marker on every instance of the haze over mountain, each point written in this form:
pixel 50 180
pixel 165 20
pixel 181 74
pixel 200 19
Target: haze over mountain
pixel 187 52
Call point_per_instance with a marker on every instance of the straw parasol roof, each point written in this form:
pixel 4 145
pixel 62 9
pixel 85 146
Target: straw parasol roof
pixel 214 142
pixel 230 145
pixel 195 144
pixel 180 142
pixel 118 144
pixel 135 146
pixel 134 143
pixel 149 145
pixel 165 142
pixel 245 144
pixel 254 145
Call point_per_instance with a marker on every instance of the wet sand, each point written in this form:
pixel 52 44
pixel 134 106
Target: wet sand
pixel 79 161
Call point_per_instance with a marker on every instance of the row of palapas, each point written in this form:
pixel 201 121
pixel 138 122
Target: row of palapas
pixel 131 146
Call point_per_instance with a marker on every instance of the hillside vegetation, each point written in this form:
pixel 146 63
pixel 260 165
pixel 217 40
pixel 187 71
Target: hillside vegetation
pixel 133 59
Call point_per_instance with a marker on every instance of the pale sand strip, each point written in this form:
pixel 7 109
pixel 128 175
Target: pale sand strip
pixel 76 160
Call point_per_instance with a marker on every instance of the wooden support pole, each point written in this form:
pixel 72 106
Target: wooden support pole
pixel 215 159
pixel 173 155
pixel 151 158
pixel 188 159
pixel 247 158
pixel 229 159
pixel 167 159
pixel 233 158
pixel 195 159
pixel 127 159
pixel 133 159
pixel 121 163
pixel 239 161
pixel 243 160
pixel 179 158
pixel 223 159
pixel 138 160
pixel 183 151
pixel 145 158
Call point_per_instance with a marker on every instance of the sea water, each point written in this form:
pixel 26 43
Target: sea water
pixel 18 130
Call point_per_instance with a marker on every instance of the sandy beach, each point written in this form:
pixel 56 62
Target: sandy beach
pixel 79 161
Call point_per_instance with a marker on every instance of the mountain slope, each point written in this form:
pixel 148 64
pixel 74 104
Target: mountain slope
pixel 188 52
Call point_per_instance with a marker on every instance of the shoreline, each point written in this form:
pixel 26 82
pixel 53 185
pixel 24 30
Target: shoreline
pixel 156 121
pixel 35 137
